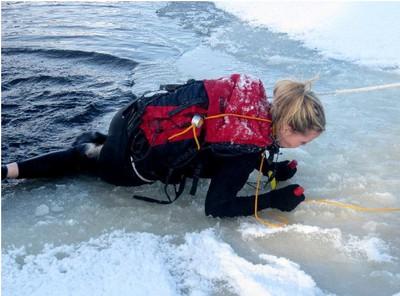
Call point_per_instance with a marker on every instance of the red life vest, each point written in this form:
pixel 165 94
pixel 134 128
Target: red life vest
pixel 242 95
pixel 166 115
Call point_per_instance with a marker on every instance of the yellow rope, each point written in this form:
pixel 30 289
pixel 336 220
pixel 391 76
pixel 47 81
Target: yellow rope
pixel 238 115
pixel 273 182
pixel 284 220
pixel 360 89
pixel 181 133
pixel 193 127
pixel 262 221
pixel 195 137
pixel 352 207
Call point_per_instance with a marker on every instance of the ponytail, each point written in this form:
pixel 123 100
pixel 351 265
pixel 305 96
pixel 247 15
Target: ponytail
pixel 296 105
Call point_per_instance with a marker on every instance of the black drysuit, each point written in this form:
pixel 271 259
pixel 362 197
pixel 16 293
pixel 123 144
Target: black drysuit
pixel 228 174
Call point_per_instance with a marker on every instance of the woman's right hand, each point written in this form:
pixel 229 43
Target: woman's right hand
pixel 287 198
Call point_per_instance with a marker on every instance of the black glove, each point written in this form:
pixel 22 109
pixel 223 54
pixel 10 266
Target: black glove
pixel 287 198
pixel 284 170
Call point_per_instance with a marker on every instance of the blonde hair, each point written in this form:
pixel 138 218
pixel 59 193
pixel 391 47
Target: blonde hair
pixel 296 105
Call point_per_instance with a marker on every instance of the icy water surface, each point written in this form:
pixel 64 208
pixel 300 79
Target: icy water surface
pixel 67 67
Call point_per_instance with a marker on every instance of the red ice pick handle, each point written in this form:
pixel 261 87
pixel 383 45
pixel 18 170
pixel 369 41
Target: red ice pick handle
pixel 298 191
pixel 292 164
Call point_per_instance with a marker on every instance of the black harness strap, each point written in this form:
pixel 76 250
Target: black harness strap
pixel 196 177
pixel 273 150
pixel 149 199
pixel 178 192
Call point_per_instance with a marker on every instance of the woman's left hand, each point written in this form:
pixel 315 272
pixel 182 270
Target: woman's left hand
pixel 285 170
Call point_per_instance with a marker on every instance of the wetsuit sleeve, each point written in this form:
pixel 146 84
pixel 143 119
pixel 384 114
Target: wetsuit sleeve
pixel 55 164
pixel 228 180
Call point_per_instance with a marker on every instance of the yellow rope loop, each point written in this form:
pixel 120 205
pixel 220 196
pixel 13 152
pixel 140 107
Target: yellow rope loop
pixel 271 224
pixel 195 137
pixel 280 218
pixel 181 133
pixel 193 128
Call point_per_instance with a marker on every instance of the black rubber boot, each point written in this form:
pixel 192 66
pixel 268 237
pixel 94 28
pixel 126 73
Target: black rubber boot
pixel 4 172
pixel 96 138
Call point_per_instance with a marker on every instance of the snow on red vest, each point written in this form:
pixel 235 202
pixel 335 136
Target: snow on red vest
pixel 166 115
pixel 243 95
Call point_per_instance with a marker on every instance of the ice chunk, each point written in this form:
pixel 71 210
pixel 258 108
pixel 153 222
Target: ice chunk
pixel 42 210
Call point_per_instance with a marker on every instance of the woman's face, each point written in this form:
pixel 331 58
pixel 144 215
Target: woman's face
pixel 287 138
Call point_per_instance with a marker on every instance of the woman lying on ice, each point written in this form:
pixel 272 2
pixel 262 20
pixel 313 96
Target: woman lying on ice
pixel 218 129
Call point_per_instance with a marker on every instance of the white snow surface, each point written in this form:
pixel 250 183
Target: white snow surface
pixel 364 32
pixel 121 263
